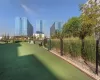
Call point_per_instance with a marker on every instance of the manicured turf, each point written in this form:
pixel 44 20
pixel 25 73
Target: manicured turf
pixel 23 61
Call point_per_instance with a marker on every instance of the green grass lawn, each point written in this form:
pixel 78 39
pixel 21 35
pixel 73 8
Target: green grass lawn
pixel 23 61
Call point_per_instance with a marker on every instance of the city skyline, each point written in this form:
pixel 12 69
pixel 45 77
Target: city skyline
pixel 23 27
pixel 50 11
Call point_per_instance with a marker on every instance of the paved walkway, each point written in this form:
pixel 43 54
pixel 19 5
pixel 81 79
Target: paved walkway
pixel 30 62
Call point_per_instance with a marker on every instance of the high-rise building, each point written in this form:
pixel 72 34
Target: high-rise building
pixel 57 26
pixel 23 27
pixel 41 26
pixel 18 26
pixel 52 29
pixel 60 25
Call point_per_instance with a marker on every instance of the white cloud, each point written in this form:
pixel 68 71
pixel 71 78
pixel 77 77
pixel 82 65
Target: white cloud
pixel 27 9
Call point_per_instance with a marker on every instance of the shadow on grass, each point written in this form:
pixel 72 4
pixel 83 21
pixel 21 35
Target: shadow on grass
pixel 13 67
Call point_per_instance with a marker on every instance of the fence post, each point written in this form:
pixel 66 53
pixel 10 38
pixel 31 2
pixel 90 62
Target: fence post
pixel 45 42
pixel 97 55
pixel 49 44
pixel 34 41
pixel 61 46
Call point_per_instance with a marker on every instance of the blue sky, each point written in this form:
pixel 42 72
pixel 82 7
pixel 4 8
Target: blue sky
pixel 35 10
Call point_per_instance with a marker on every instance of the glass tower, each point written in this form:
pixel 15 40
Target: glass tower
pixel 23 27
pixel 18 26
pixel 57 26
pixel 24 24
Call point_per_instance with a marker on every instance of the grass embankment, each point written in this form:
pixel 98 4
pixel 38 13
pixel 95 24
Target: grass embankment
pixel 23 61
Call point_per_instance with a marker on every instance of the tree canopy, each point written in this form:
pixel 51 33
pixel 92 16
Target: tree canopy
pixel 87 23
pixel 89 18
pixel 72 26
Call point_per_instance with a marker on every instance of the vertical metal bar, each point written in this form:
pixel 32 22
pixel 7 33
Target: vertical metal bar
pixel 61 46
pixel 50 44
pixel 97 54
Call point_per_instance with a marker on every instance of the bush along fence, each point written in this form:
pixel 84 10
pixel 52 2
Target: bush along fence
pixel 73 46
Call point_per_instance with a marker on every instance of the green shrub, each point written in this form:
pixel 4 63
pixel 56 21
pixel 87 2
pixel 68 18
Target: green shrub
pixel 90 49
pixel 72 46
pixel 17 41
pixel 55 43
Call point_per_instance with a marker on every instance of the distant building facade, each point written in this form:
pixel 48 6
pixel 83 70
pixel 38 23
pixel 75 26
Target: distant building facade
pixel 23 27
pixel 39 36
pixel 0 37
pixel 39 32
pixel 57 26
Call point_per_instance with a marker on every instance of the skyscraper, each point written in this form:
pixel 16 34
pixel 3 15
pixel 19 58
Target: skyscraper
pixel 18 26
pixel 57 26
pixel 23 27
pixel 41 26
pixel 52 29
